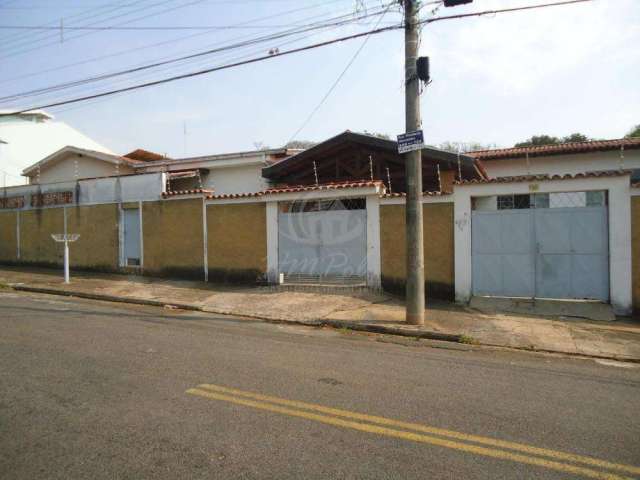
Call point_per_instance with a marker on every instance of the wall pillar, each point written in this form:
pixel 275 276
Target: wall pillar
pixel 272 242
pixel 373 241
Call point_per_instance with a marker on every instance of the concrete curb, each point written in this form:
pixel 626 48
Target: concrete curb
pixel 362 327
pixel 198 308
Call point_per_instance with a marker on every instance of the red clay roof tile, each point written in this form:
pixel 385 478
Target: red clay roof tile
pixel 557 149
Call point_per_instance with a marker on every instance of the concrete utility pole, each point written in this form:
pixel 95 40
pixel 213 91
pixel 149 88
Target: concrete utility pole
pixel 413 169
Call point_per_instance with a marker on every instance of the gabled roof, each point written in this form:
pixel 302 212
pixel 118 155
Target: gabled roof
pixel 105 157
pixel 145 155
pixel 468 164
pixel 557 149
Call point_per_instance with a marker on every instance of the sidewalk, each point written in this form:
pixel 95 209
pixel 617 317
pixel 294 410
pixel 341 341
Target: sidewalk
pixel 358 310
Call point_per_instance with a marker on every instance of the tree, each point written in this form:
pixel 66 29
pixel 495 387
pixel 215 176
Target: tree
pixel 537 140
pixel 575 137
pixel 383 136
pixel 634 132
pixel 300 144
pixel 464 147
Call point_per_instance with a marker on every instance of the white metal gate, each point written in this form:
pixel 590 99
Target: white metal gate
pixel 131 234
pixel 542 245
pixel 323 241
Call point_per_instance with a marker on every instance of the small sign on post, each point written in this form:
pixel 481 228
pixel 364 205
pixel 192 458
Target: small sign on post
pixel 66 238
pixel 407 142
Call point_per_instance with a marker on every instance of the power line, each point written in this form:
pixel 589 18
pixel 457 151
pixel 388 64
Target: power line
pixel 165 42
pixel 175 7
pixel 84 15
pixel 290 52
pixel 337 81
pixel 165 27
pixel 336 21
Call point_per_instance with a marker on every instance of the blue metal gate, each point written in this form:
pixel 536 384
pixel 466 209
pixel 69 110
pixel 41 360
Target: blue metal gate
pixel 542 246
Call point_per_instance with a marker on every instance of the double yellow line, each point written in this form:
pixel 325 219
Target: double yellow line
pixel 489 447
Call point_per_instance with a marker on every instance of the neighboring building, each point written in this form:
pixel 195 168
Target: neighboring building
pixel 32 136
pixel 559 221
pixel 551 221
pixel 74 163
pixel 227 173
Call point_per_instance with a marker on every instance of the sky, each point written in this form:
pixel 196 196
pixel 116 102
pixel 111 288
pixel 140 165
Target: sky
pixel 496 79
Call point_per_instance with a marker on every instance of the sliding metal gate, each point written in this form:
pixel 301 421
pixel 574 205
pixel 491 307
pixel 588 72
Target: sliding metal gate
pixel 542 245
pixel 323 241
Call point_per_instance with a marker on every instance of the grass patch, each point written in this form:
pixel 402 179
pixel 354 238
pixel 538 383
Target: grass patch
pixel 468 340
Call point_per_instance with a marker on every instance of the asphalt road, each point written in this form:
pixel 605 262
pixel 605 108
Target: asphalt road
pixel 97 390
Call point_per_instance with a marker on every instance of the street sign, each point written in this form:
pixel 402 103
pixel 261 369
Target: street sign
pixel 407 142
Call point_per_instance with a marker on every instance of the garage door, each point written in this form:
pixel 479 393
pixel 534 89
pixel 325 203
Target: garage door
pixel 541 245
pixel 323 241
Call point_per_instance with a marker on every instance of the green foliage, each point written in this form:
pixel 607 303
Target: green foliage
pixel 383 136
pixel 300 144
pixel 538 140
pixel 634 132
pixel 464 147
pixel 575 137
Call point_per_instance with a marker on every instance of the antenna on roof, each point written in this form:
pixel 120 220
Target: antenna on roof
pixel 371 167
pixel 184 132
pixel 315 172
pixel 389 180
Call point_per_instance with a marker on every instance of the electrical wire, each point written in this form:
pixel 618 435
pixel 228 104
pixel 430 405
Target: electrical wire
pixel 337 80
pixel 289 52
pixel 158 44
pixel 336 21
pixel 161 12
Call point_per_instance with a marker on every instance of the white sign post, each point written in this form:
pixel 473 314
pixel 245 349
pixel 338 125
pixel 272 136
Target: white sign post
pixel 66 238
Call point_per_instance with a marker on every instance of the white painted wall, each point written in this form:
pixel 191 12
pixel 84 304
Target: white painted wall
pixel 242 179
pixel 563 164
pixel 32 138
pixel 619 229
pixel 73 166
pixel 132 188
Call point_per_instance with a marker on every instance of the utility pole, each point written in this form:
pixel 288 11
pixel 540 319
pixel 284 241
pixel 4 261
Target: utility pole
pixel 413 169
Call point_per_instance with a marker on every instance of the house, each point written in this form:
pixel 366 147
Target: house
pixel 32 136
pixel 552 221
pixel 557 221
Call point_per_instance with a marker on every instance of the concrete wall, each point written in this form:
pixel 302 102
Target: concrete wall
pixel 172 233
pixel 73 167
pixel 8 236
pixel 561 164
pixel 438 249
pixel 237 242
pixel 635 253
pixel 36 245
pixel 244 179
pixel 97 247
pixel 129 188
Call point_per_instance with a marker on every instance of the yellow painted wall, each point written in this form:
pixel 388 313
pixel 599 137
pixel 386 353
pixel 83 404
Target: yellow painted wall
pixel 97 247
pixel 635 253
pixel 8 237
pixel 36 244
pixel 173 238
pixel 237 241
pixel 438 248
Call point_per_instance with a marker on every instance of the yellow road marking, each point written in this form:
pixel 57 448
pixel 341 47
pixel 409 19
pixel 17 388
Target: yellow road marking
pixel 432 430
pixel 415 437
